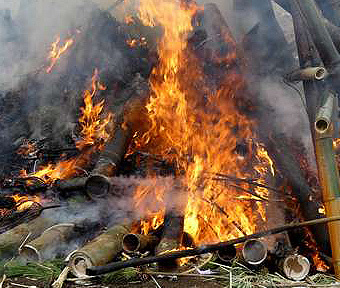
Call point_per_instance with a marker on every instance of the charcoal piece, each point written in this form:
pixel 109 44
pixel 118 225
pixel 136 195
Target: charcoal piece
pixel 7 202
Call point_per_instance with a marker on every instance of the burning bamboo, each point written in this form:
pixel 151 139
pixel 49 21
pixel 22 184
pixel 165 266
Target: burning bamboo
pixel 139 243
pixel 14 217
pixel 99 251
pixel 202 249
pixel 127 122
pixel 254 252
pixel 50 243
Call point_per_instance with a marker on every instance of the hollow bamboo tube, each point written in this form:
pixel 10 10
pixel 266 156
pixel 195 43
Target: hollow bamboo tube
pixel 228 254
pixel 310 73
pixel 324 115
pixel 99 251
pixel 329 180
pixel 11 240
pixel 139 243
pixel 254 252
pixel 295 267
pixel 48 244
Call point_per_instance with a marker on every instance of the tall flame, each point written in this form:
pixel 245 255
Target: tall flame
pixel 199 130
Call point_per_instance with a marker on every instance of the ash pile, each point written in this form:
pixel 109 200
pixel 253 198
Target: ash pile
pixel 165 136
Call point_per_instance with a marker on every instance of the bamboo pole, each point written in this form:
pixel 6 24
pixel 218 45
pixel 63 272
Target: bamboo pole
pixel 202 249
pixel 11 240
pixel 329 179
pixel 99 251
pixel 49 244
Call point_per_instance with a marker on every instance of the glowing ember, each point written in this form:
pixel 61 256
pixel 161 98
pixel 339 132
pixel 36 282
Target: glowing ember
pixel 201 130
pixel 56 51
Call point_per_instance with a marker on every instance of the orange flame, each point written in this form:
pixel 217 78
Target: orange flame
pixel 93 135
pixel 93 128
pixel 201 137
pixel 56 51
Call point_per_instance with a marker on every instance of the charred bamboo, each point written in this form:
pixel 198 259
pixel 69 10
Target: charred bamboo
pixel 202 249
pixel 172 235
pixel 321 38
pixel 99 251
pixel 228 254
pixel 95 186
pixel 332 29
pixel 127 122
pixel 52 242
pixel 139 243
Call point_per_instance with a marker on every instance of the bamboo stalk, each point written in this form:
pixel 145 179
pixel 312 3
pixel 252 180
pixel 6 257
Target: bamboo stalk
pixel 48 244
pixel 202 249
pixel 329 179
pixel 99 251
pixel 11 240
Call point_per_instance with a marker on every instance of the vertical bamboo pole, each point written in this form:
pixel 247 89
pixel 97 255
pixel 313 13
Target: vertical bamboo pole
pixel 325 157
pixel 329 174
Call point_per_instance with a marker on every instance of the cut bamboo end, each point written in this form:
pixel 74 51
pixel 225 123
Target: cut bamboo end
pixel 48 244
pixel 296 267
pixel 228 254
pixel 323 119
pixel 78 263
pixel 139 243
pixel 99 251
pixel 309 74
pixel 254 252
